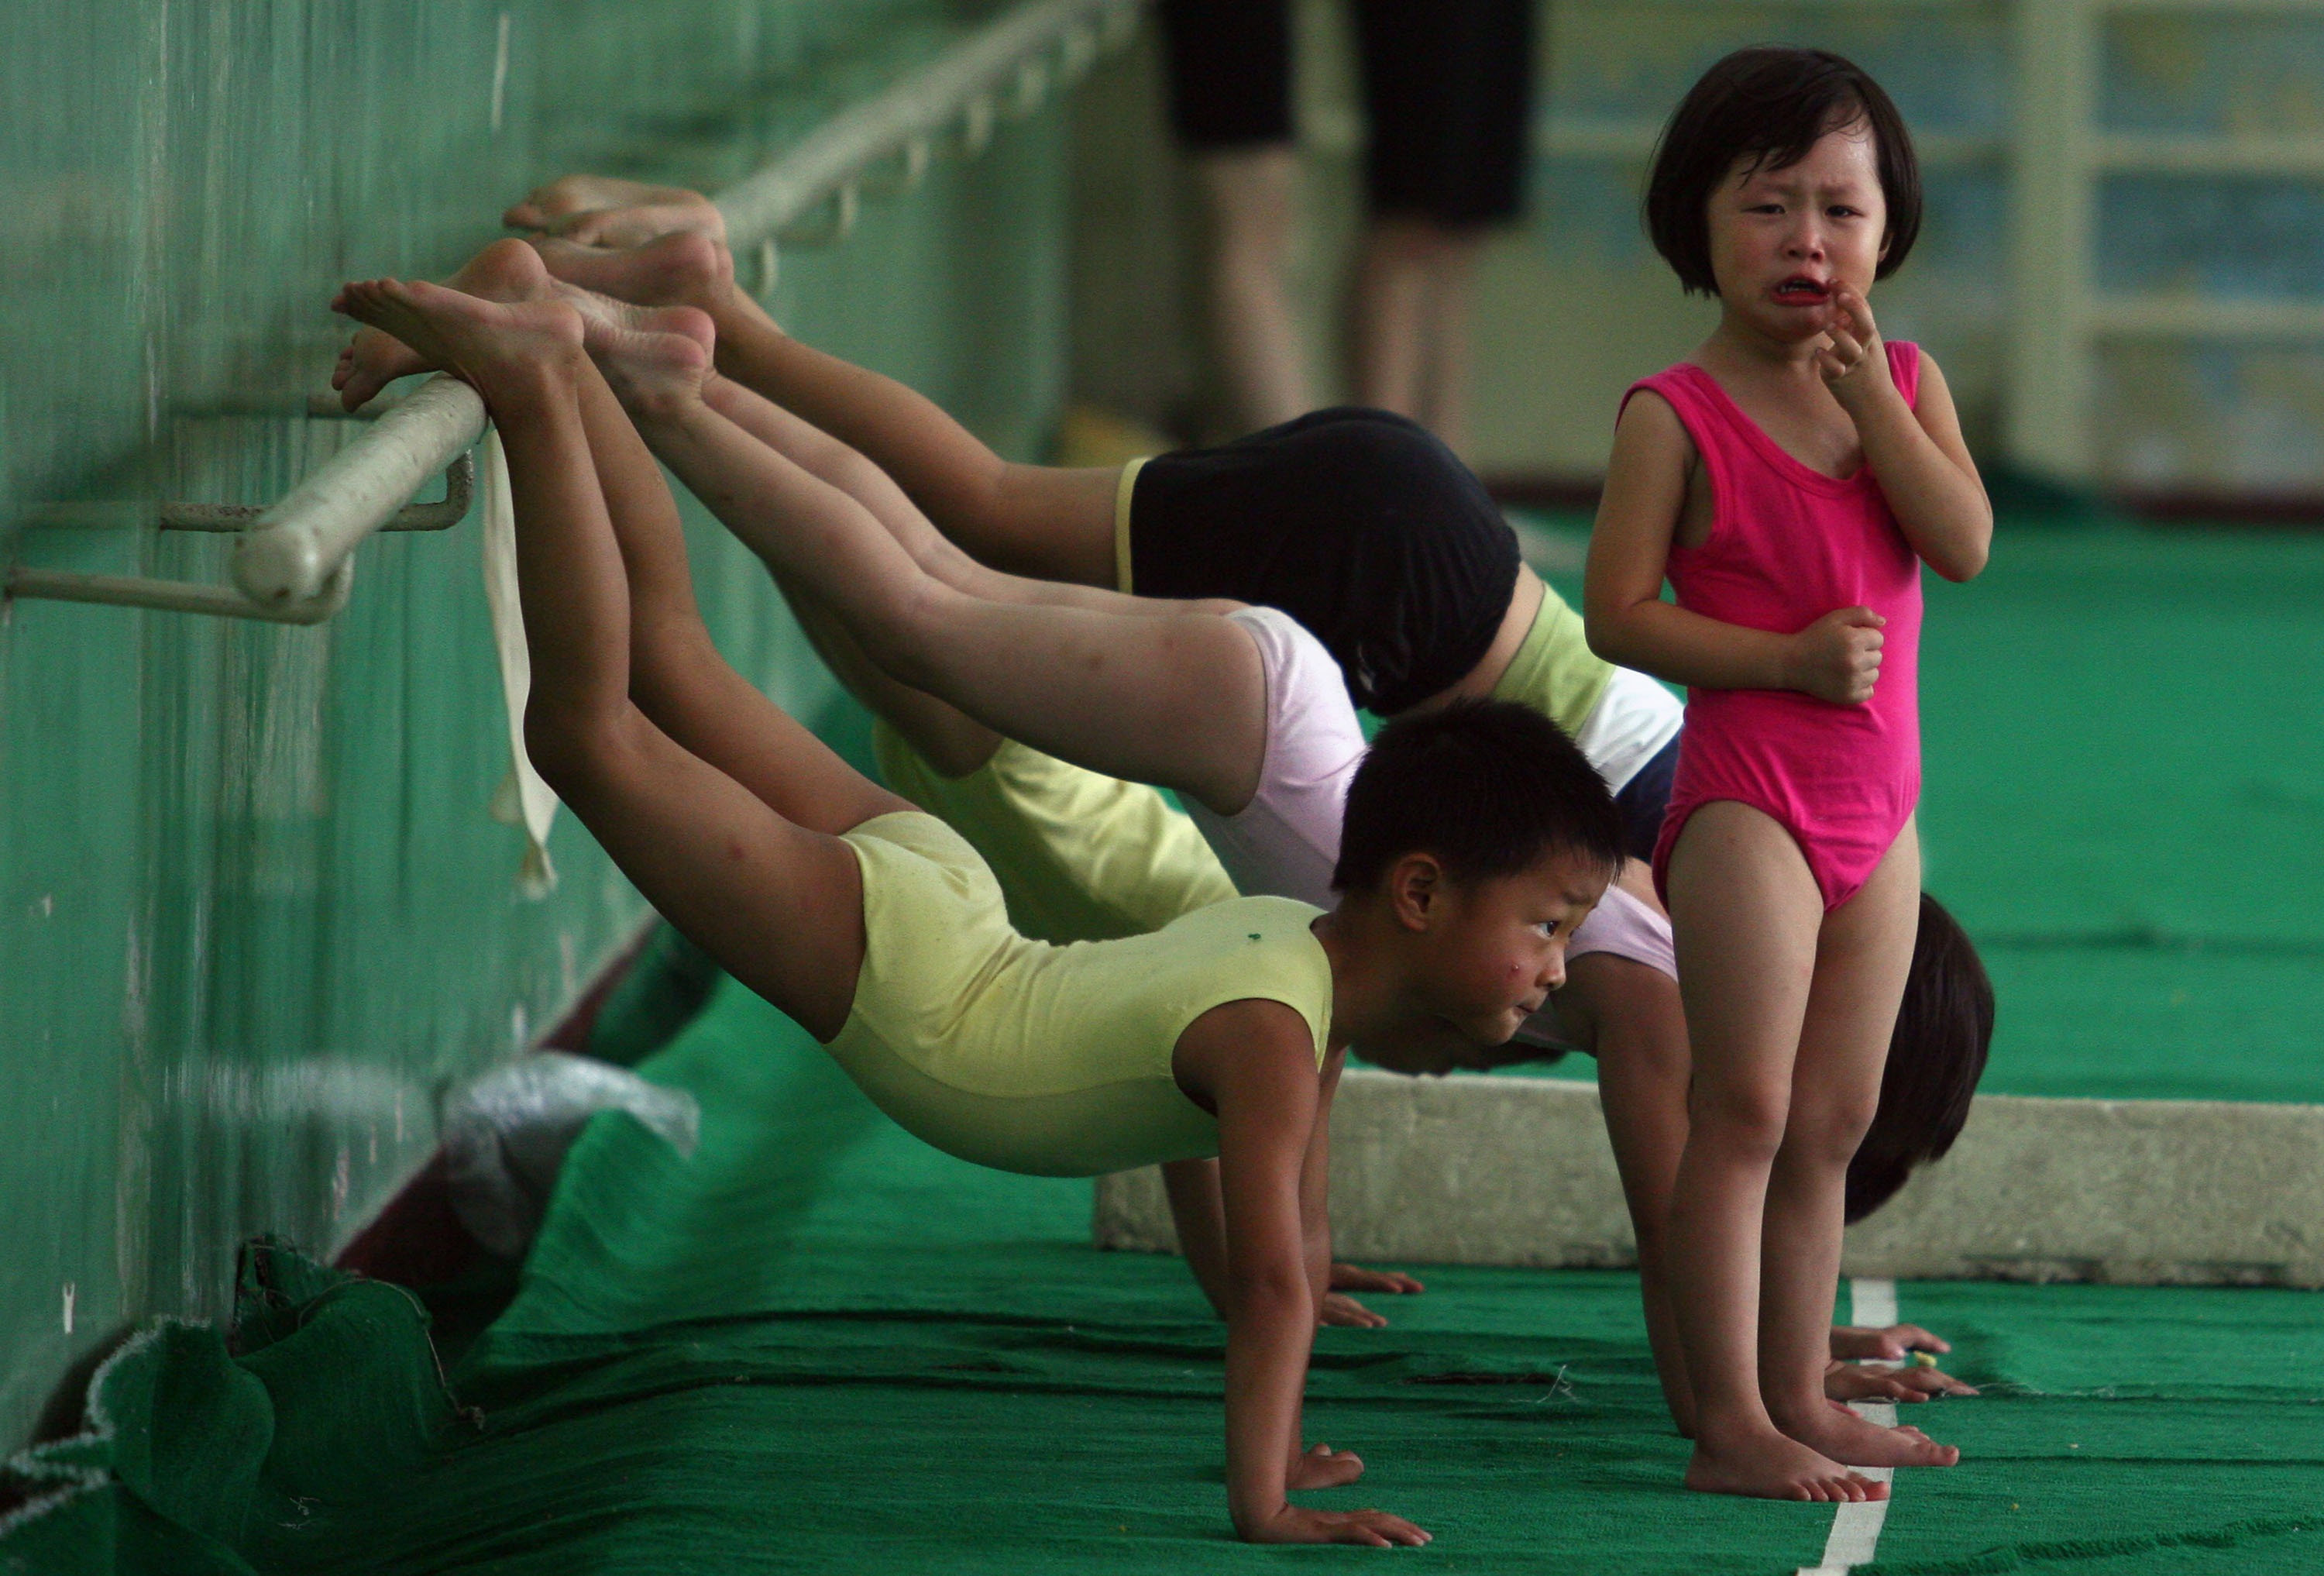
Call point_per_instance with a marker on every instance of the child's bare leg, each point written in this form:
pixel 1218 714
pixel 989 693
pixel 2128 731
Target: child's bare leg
pixel 1035 520
pixel 1862 956
pixel 1746 914
pixel 947 737
pixel 1179 701
pixel 823 457
pixel 676 674
pixel 706 851
pixel 951 741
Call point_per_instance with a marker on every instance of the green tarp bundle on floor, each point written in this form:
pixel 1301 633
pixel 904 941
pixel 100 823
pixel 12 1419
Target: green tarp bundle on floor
pixel 820 1346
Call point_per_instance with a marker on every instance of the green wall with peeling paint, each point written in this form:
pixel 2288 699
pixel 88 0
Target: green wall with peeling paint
pixel 254 914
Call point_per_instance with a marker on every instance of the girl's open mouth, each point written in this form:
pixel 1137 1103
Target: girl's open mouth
pixel 1801 290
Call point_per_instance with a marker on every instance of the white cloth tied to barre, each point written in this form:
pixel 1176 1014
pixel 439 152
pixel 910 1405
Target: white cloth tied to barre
pixel 524 799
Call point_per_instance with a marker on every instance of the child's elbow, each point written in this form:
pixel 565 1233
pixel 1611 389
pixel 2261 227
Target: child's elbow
pixel 1268 1290
pixel 1968 562
pixel 1602 631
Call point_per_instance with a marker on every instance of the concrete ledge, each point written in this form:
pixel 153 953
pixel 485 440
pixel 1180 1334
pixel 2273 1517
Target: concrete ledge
pixel 1516 1171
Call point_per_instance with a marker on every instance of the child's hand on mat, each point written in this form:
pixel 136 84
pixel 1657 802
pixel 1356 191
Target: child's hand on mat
pixel 1838 657
pixel 1855 367
pixel 1350 1313
pixel 1882 1344
pixel 1355 1277
pixel 1848 1381
pixel 1319 1466
pixel 1295 1524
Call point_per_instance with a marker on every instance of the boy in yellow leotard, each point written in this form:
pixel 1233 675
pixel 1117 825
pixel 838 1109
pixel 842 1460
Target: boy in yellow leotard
pixel 1475 840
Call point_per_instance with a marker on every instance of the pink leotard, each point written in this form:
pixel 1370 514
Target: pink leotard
pixel 1788 546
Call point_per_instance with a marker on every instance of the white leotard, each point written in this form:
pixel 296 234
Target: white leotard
pixel 1286 841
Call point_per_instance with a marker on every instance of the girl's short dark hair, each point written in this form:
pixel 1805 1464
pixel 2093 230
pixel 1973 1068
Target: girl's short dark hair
pixel 1488 787
pixel 1766 107
pixel 1935 1057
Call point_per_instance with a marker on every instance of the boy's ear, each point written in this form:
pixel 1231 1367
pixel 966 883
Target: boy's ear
pixel 1415 890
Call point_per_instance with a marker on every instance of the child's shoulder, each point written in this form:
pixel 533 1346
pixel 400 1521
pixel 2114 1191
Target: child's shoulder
pixel 1653 410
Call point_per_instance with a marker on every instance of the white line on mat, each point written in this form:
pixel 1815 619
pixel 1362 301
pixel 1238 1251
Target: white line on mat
pixel 1856 1527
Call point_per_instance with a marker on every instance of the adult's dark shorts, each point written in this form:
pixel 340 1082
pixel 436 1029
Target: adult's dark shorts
pixel 1447 88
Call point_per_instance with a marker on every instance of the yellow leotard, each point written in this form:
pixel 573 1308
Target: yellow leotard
pixel 1554 671
pixel 1079 857
pixel 1051 1060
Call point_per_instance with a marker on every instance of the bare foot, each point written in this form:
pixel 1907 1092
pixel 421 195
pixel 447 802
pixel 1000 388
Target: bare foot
pixel 1321 1467
pixel 675 270
pixel 472 338
pixel 1770 1466
pixel 605 210
pixel 595 308
pixel 1857 1442
pixel 653 358
pixel 506 271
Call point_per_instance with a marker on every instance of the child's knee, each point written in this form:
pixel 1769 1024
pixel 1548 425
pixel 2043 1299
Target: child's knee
pixel 1743 1118
pixel 1826 1131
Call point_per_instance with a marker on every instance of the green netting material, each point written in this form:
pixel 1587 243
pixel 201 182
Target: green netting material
pixel 820 1346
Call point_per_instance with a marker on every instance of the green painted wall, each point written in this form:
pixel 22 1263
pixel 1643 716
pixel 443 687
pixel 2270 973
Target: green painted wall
pixel 253 916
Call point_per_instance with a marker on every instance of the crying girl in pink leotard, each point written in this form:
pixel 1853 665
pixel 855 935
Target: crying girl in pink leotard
pixel 1789 479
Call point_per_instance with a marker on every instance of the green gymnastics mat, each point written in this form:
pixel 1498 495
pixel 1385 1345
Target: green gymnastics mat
pixel 2122 801
pixel 817 1345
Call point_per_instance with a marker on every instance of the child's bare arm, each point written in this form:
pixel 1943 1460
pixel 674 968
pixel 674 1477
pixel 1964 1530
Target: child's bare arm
pixel 1836 659
pixel 1256 1060
pixel 1630 1015
pixel 1315 1185
pixel 1916 450
pixel 1191 1186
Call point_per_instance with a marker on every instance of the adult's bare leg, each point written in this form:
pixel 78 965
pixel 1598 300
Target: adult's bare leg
pixel 778 903
pixel 1248 200
pixel 1036 521
pixel 1175 700
pixel 1408 323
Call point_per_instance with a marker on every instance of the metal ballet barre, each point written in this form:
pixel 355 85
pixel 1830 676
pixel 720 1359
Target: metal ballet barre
pixel 295 563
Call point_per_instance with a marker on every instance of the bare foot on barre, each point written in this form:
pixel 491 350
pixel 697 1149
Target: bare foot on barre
pixel 506 271
pixel 603 210
pixel 484 342
pixel 675 270
pixel 653 358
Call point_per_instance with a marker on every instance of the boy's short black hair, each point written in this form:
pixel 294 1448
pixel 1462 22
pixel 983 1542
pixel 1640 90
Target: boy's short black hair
pixel 1766 105
pixel 1488 787
pixel 1935 1057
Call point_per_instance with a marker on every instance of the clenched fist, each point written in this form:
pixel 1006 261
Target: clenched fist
pixel 1838 657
